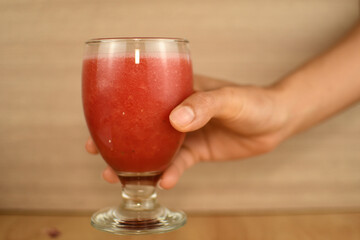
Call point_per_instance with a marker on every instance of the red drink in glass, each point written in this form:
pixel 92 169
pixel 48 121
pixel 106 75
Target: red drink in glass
pixel 127 106
pixel 129 88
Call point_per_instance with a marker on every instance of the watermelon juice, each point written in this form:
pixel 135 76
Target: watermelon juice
pixel 127 102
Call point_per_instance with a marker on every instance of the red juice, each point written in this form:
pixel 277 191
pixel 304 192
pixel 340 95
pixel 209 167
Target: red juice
pixel 127 105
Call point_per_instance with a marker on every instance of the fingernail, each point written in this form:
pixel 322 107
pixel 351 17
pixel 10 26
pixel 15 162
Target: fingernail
pixel 158 185
pixel 182 116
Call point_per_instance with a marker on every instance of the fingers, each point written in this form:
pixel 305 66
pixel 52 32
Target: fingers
pixel 171 176
pixel 195 111
pixel 184 160
pixel 109 175
pixel 91 147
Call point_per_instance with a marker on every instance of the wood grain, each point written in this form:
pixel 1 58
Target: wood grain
pixel 43 164
pixel 280 227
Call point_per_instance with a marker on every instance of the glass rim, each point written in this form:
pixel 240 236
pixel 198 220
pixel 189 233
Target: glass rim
pixel 135 39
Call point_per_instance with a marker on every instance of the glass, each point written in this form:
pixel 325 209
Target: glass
pixel 129 88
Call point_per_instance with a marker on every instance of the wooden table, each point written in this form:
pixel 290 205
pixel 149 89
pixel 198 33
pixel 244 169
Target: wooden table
pixel 209 227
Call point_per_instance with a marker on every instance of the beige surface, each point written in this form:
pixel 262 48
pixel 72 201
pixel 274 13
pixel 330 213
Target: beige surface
pixel 43 164
pixel 281 227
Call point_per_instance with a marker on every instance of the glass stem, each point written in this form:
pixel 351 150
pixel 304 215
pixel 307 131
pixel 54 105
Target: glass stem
pixel 138 197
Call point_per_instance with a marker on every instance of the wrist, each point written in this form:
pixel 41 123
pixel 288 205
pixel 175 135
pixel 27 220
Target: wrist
pixel 282 108
pixel 294 102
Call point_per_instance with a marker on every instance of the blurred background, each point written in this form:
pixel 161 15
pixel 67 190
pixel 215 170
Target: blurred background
pixel 43 163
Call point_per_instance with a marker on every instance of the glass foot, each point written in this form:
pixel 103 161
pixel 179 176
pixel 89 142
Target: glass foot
pixel 119 221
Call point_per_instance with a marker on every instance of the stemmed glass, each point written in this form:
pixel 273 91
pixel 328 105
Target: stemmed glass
pixel 129 87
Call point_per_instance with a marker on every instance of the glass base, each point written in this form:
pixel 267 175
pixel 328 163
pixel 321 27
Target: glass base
pixel 116 220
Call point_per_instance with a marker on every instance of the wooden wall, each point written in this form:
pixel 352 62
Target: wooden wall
pixel 43 164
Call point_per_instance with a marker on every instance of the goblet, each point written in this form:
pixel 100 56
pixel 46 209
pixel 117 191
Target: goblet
pixel 129 87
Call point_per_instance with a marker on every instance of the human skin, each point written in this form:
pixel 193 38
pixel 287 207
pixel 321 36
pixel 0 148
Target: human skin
pixel 225 121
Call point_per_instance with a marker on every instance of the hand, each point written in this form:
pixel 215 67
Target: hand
pixel 224 121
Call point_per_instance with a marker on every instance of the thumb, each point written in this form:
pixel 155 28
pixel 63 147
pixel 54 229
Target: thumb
pixel 197 110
